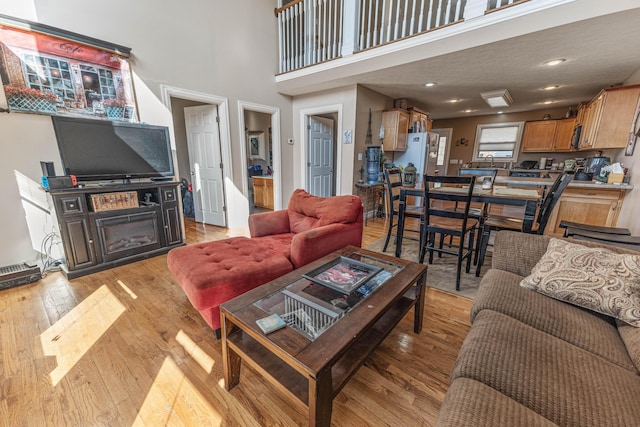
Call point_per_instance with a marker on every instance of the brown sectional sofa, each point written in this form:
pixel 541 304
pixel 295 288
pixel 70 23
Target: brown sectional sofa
pixel 531 360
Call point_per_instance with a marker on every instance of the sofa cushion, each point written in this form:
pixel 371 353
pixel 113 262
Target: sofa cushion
pixel 499 291
pixel 307 211
pixel 631 337
pixel 594 278
pixel 472 403
pixel 563 383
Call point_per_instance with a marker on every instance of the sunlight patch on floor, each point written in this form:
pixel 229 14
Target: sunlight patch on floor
pixel 77 331
pixel 174 400
pixel 194 350
pixel 127 290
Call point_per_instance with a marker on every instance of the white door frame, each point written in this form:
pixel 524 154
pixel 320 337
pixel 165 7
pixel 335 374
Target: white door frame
pixel 316 111
pixel 275 149
pixel 225 132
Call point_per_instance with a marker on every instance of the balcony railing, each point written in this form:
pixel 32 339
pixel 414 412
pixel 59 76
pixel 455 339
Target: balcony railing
pixel 315 31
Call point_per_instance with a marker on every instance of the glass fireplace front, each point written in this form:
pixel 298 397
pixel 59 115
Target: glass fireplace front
pixel 126 235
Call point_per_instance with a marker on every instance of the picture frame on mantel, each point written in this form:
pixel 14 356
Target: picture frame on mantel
pixel 256 143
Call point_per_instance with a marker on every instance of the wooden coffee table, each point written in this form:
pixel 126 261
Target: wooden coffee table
pixel 313 371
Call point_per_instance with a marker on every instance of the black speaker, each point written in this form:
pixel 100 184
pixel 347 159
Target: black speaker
pixel 48 169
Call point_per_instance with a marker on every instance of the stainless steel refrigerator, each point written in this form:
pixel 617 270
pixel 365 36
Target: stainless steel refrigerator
pixel 422 151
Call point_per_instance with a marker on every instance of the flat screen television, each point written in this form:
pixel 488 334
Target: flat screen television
pixel 94 150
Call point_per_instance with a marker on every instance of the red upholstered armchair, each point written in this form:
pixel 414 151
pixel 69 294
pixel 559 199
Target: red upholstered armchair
pixel 212 273
pixel 315 226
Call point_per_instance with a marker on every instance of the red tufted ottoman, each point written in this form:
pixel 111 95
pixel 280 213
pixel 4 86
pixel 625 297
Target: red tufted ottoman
pixel 214 272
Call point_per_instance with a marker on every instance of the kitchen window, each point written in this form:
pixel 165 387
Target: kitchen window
pixel 501 141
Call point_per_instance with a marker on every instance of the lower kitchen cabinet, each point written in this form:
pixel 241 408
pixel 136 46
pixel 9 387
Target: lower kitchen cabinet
pixel 263 192
pixel 586 206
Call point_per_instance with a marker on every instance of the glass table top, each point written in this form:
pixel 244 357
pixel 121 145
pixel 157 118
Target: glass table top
pixel 311 308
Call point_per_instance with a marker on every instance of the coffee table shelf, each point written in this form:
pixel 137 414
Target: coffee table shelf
pixel 312 372
pixel 261 358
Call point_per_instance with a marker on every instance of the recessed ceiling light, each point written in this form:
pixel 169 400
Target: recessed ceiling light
pixel 553 62
pixel 430 84
pixel 551 87
pixel 455 100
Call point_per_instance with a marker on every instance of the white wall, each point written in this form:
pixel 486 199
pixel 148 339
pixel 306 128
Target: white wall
pixel 222 48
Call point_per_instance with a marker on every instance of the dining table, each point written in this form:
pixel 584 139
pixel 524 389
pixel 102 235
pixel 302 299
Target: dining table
pixel 527 198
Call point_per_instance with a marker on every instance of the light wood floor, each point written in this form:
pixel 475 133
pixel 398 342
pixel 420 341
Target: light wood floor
pixel 125 347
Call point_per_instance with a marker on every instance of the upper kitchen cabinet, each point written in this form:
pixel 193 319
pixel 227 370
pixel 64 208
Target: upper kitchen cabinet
pixel 548 135
pixel 396 126
pixel 419 120
pixel 609 118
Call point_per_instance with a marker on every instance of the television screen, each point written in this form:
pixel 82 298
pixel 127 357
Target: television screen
pixel 103 150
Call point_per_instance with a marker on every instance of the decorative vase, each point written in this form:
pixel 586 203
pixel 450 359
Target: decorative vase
pixel 373 164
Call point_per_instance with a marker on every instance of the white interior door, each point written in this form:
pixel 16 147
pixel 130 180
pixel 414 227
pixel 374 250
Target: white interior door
pixel 203 138
pixel 320 176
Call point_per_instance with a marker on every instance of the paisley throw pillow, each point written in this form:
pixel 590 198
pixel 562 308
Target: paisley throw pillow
pixel 593 278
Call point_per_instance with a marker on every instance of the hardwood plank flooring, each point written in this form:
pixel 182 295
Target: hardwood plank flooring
pixel 125 347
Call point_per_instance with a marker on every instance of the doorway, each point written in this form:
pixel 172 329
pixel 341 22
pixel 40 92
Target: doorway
pixel 333 112
pixel 260 156
pixel 205 163
pixel 205 152
pixel 259 145
pixel 320 156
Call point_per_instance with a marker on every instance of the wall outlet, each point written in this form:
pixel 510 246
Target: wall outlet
pixel 359 156
pixel 453 161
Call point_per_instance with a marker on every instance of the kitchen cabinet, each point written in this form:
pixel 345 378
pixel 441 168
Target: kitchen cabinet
pixel 263 192
pixel 548 135
pixel 396 126
pixel 419 121
pixel 608 118
pixel 586 206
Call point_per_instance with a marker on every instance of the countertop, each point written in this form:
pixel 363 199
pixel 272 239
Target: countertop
pixel 515 180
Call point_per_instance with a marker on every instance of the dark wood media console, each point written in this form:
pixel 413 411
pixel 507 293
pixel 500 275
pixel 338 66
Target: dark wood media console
pixel 98 240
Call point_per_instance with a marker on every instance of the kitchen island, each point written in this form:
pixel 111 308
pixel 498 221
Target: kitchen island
pixel 586 202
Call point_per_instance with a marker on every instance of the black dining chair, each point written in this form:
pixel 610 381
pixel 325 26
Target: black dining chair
pixel 497 222
pixel 570 227
pixel 393 184
pixel 621 240
pixel 481 212
pixel 440 219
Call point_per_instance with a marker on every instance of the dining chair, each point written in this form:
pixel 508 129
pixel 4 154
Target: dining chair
pixel 393 184
pixel 498 222
pixel 478 213
pixel 621 240
pixel 448 222
pixel 570 226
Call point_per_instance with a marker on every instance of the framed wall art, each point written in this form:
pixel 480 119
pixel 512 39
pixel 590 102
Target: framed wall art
pixel 46 70
pixel 257 148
